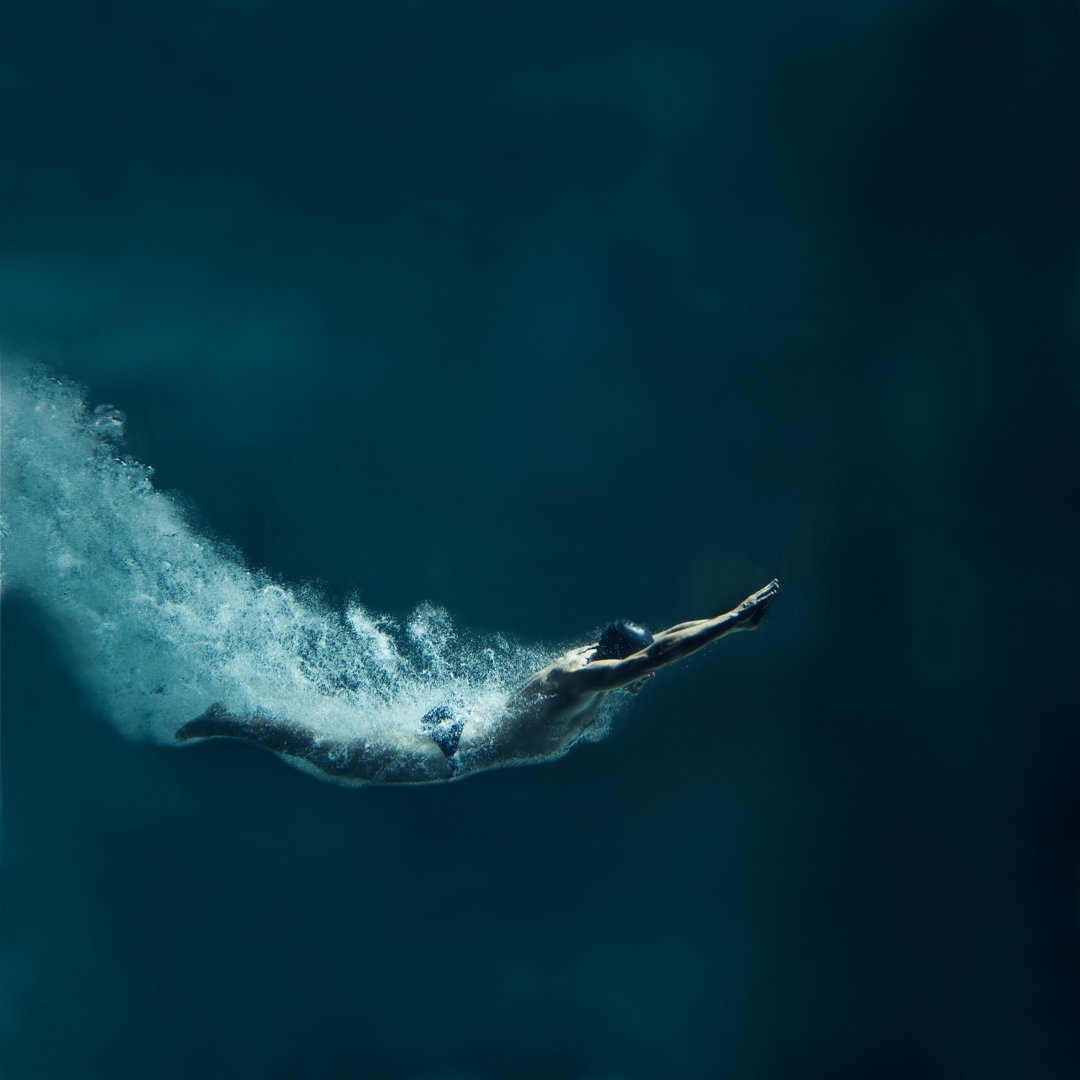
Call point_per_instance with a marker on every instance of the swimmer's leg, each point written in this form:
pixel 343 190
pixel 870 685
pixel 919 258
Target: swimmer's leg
pixel 217 723
pixel 332 757
pixel 403 759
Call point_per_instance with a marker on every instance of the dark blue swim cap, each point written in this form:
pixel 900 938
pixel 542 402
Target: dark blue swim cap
pixel 622 639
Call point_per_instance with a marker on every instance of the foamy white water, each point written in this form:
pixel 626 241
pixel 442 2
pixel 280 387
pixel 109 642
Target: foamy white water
pixel 163 622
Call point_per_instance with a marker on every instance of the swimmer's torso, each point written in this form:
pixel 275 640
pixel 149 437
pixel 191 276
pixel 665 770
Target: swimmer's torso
pixel 546 715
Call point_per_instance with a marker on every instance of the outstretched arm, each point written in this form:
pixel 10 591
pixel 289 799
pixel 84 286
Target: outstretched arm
pixel 676 642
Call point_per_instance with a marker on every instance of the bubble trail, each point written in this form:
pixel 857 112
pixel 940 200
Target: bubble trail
pixel 162 622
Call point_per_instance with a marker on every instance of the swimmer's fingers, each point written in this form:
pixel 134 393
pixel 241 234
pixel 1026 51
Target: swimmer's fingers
pixel 752 610
pixel 766 593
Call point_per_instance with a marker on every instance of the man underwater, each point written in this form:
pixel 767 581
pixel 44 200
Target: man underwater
pixel 541 720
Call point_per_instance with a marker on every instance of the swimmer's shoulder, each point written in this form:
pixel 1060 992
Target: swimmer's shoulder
pixel 552 680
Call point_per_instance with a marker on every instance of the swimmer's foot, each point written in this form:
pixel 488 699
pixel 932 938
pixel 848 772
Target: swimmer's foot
pixel 216 721
pixel 752 610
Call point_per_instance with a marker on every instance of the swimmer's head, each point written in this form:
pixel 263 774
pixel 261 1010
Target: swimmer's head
pixel 620 640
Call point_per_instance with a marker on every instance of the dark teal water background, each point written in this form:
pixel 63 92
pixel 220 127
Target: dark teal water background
pixel 553 313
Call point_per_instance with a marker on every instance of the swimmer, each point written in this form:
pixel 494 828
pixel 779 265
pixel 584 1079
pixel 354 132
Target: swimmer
pixel 541 720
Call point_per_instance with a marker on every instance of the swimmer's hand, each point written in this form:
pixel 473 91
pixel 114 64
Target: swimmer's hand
pixel 748 615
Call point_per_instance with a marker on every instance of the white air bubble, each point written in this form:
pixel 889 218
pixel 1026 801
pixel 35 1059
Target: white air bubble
pixel 109 421
pixel 163 623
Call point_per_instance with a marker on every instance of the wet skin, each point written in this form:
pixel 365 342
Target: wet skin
pixel 543 718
